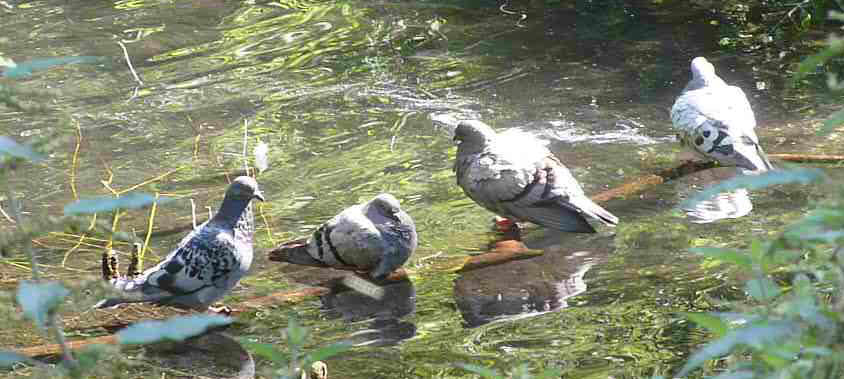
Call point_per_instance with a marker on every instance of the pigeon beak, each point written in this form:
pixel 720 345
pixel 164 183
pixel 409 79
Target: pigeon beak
pixel 259 196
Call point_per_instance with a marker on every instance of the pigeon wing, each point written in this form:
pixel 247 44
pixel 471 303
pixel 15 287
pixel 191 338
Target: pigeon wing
pixel 197 264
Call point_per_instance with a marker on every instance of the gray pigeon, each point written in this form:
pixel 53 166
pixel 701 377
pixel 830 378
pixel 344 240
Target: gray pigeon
pixel 521 179
pixel 377 236
pixel 207 263
pixel 715 120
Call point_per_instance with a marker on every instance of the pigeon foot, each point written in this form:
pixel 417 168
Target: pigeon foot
pixel 223 310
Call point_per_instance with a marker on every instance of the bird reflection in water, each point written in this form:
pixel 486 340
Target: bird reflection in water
pixel 382 306
pixel 529 287
pixel 730 204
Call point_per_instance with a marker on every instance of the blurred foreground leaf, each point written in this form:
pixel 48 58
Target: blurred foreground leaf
pixel 728 255
pixel 763 180
pixel 709 321
pixel 10 147
pixel 25 69
pixel 327 352
pixel 8 359
pixel 834 120
pixel 173 329
pixel 37 300
pixel 480 370
pixel 762 289
pixel 98 204
pixel 754 335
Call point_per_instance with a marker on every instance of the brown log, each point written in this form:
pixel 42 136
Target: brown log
pixel 501 252
pixel 55 349
pixel 643 182
pixel 808 158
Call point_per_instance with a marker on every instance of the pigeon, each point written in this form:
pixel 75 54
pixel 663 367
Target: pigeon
pixel 715 120
pixel 375 237
pixel 206 264
pixel 522 181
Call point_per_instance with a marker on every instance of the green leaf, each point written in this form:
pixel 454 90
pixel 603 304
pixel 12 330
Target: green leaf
pixel 736 257
pixel 482 371
pixel 754 335
pixel 762 289
pixel 327 352
pixel 550 373
pixel 37 300
pixel 750 182
pixel 174 329
pixel 296 333
pixel 106 203
pixel 264 350
pixel 8 146
pixel 709 321
pixel 832 122
pixel 734 375
pixel 8 358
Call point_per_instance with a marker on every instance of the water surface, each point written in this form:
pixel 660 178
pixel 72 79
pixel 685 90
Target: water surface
pixel 350 97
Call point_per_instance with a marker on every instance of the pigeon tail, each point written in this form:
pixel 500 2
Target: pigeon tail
pixel 295 252
pixel 588 207
pixel 561 216
pixel 751 158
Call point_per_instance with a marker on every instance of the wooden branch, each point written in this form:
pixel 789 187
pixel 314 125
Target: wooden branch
pixel 808 158
pixel 501 252
pixel 55 349
pixel 643 182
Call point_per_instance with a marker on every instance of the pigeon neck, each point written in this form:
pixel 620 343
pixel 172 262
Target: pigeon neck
pixel 231 211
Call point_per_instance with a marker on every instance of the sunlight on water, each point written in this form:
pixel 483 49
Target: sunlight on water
pixel 354 99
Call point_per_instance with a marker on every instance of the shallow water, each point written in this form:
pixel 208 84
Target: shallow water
pixel 350 98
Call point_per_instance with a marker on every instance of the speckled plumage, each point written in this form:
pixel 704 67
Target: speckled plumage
pixel 206 264
pixel 521 179
pixel 377 236
pixel 715 120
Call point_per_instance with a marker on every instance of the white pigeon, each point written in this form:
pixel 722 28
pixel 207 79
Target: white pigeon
pixel 376 236
pixel 523 180
pixel 206 264
pixel 716 121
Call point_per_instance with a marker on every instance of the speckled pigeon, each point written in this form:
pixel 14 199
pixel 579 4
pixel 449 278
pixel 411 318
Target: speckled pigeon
pixel 716 121
pixel 377 236
pixel 523 180
pixel 206 264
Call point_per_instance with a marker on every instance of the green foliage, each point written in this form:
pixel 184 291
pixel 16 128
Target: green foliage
pixel 9 359
pixel 176 328
pixel 292 363
pixel 38 300
pixel 132 200
pixel 790 328
pixel 10 147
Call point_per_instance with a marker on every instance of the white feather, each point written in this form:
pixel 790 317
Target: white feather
pixel 261 156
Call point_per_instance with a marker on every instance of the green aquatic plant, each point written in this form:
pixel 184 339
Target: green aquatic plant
pixel 790 325
pixel 520 372
pixel 295 362
pixel 40 300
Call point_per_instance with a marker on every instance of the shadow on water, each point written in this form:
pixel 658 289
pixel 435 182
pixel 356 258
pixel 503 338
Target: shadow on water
pixel 351 98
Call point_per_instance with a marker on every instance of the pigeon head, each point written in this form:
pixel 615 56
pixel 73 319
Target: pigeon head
pixel 244 188
pixel 702 69
pixel 473 135
pixel 386 204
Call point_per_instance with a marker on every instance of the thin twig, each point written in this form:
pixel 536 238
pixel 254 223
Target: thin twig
pixel 67 356
pixel 129 63
pixel 6 216
pixel 397 127
pixel 193 212
pixel 149 232
pixel 27 244
pixel 74 161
